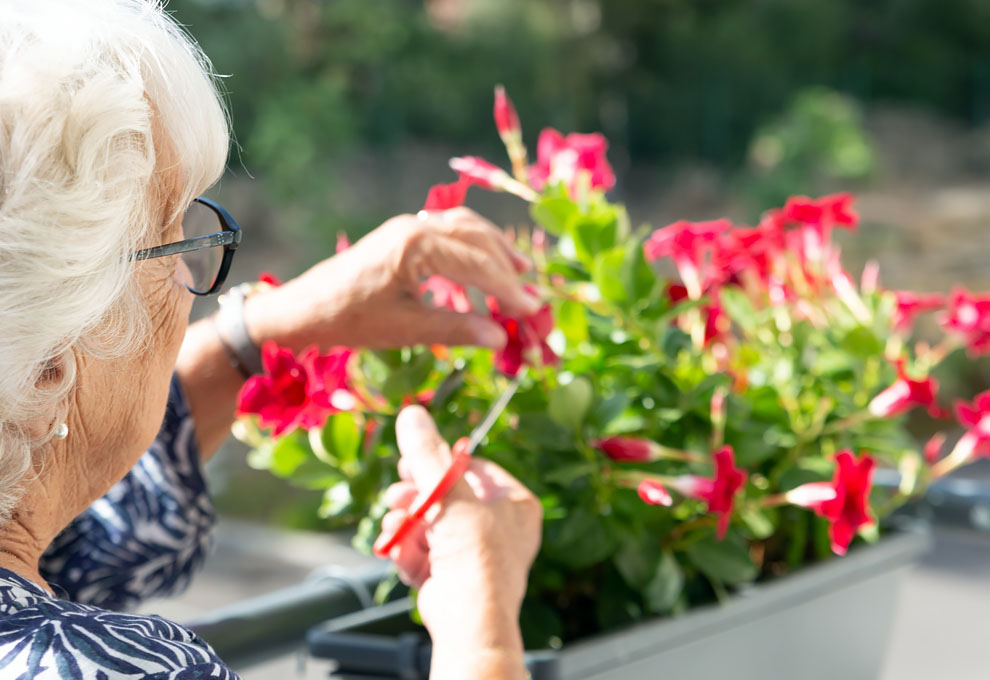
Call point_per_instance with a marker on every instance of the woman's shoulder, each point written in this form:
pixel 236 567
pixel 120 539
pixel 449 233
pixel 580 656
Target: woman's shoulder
pixel 46 638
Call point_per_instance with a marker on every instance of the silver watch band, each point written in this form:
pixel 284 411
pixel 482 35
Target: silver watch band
pixel 233 333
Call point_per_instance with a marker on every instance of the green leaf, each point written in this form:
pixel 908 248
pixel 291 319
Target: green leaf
pixel 637 276
pixel 572 320
pixel 580 539
pixel 726 561
pixel 541 625
pixel 862 342
pixel 282 456
pixel 664 589
pixel 408 378
pixel 570 403
pixel 758 522
pixel 739 308
pixel 594 233
pixel 554 213
pixel 342 437
pixel 637 560
pixel 607 273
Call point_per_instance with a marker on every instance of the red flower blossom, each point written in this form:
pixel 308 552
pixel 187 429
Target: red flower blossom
pixel 717 322
pixel 566 159
pixel 689 244
pixel 910 305
pixel 446 293
pixel 506 118
pixel 719 492
pixel 447 196
pixel 934 447
pixel 969 316
pixel 270 279
pixel 811 495
pixel 975 416
pixel 343 243
pixel 850 509
pixel 295 392
pixel 628 449
pixel 828 211
pixel 652 492
pixel 487 176
pixel 527 339
pixel 905 394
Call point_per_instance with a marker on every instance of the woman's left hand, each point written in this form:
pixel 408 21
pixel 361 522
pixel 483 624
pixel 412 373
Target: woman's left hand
pixel 369 294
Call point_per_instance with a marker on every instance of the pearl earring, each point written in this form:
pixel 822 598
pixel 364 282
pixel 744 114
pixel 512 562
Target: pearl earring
pixel 62 431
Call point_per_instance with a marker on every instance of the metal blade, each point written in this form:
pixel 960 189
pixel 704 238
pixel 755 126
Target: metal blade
pixel 481 431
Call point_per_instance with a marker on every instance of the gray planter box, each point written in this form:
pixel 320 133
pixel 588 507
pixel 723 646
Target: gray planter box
pixel 825 622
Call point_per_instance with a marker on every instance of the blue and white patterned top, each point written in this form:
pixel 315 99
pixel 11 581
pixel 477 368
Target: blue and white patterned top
pixel 144 538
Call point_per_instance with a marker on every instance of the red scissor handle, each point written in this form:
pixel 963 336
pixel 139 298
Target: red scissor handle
pixel 461 457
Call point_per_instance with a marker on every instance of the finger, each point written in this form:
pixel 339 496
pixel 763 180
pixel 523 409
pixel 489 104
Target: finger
pixel 468 226
pixel 404 473
pixel 411 555
pixel 400 495
pixel 468 265
pixel 428 454
pixel 423 325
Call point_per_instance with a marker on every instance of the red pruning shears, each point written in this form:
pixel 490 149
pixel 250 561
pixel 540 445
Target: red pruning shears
pixel 461 457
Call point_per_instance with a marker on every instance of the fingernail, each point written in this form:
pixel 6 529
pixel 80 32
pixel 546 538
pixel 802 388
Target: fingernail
pixel 490 335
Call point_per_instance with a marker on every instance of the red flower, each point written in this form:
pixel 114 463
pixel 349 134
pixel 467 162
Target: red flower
pixel 811 495
pixel 506 118
pixel 850 509
pixel 717 322
pixel 270 279
pixel 566 159
pixel 527 339
pixel 910 305
pixel 628 449
pixel 688 243
pixel 827 211
pixel 446 294
pixel 905 394
pixel 975 416
pixel 295 392
pixel 652 492
pixel 934 447
pixel 447 196
pixel 478 171
pixel 343 243
pixel 969 316
pixel 720 492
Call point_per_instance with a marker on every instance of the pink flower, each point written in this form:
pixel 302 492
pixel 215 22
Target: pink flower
pixel 910 305
pixel 343 243
pixel 719 492
pixel 969 316
pixel 717 322
pixel 526 339
pixel 850 509
pixel 975 416
pixel 295 392
pixel 688 243
pixel 652 492
pixel 828 211
pixel 446 294
pixel 506 118
pixel 566 159
pixel 487 176
pixel 628 449
pixel 905 394
pixel 934 447
pixel 447 196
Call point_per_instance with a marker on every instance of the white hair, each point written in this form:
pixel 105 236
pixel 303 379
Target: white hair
pixel 83 85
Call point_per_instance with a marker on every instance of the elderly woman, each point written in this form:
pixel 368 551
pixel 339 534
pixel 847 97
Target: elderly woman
pixel 110 127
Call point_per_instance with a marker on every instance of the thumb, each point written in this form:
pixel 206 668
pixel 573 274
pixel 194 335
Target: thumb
pixel 424 452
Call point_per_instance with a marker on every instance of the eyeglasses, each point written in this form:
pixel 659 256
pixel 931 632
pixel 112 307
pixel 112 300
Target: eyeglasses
pixel 209 251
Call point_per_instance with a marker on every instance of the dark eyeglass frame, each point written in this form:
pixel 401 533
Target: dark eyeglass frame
pixel 229 238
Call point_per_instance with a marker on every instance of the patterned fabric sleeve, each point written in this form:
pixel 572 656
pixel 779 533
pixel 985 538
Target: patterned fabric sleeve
pixel 148 534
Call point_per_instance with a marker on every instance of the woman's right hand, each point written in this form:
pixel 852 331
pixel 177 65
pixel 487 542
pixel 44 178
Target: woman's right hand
pixel 470 559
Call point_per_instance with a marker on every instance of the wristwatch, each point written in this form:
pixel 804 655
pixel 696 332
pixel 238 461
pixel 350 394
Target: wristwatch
pixel 229 323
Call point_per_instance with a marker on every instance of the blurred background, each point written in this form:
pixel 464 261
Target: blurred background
pixel 346 111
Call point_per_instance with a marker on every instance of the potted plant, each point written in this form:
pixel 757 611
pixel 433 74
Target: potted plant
pixel 704 407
